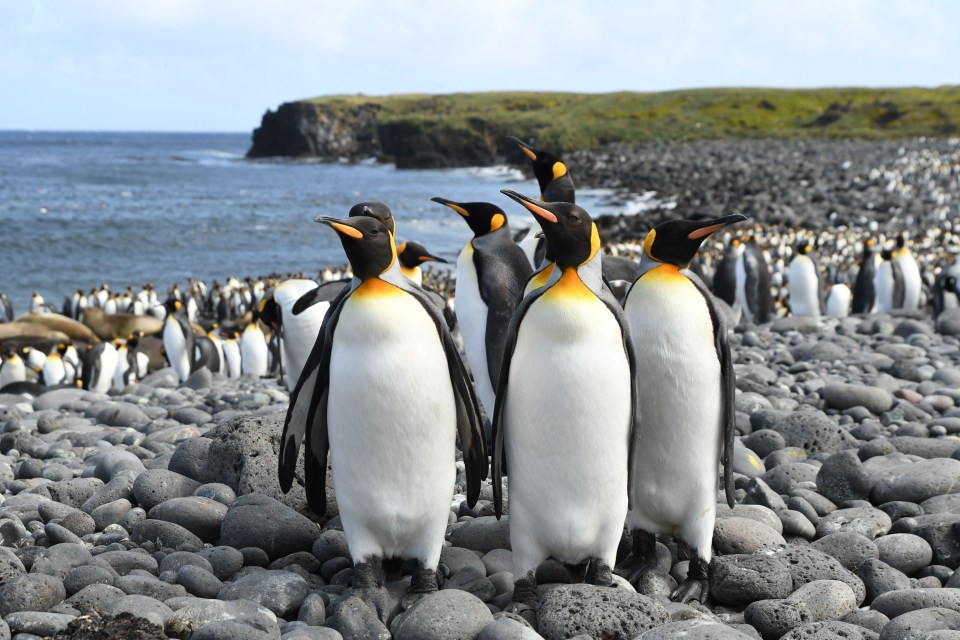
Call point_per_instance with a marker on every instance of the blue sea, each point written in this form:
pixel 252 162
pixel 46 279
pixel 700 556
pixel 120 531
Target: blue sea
pixel 81 209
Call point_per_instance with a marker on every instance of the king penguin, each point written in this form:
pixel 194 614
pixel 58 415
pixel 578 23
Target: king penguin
pixel 725 279
pixel 889 283
pixel 912 281
pixel 297 332
pixel 384 390
pixel 54 372
pixel 564 439
pixel 803 282
pixel 411 255
pixel 686 402
pixel 13 369
pixel 753 283
pixel 178 338
pixel 253 349
pixel 231 356
pixel 864 288
pixel 99 364
pixel 491 272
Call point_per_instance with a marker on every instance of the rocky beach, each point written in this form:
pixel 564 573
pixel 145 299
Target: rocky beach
pixel 154 511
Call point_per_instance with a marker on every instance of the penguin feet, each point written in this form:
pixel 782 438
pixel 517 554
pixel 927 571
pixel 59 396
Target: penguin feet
pixel 642 559
pixel 599 573
pixel 697 584
pixel 525 599
pixel 367 581
pixel 423 582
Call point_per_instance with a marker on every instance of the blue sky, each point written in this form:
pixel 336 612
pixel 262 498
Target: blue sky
pixel 217 65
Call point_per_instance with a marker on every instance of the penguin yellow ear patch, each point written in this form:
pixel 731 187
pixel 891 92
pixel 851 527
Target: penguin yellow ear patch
pixel 496 221
pixel 648 243
pixel 559 170
pixel 401 248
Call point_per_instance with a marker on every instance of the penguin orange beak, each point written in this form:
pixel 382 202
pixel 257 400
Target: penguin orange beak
pixel 529 151
pixel 533 206
pixel 453 205
pixel 715 225
pixel 343 227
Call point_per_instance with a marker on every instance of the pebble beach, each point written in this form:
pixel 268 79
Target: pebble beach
pixel 154 511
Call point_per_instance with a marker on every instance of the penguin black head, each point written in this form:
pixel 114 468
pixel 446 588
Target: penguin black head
pixel 269 311
pixel 172 305
pixel 569 229
pixel 887 254
pixel 367 242
pixel 482 217
pixel 546 166
pixel 676 242
pixel 413 254
pixel 377 211
pixel 803 248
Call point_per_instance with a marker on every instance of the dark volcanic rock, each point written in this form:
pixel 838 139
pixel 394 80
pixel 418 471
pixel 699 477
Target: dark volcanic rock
pixel 599 612
pixel 255 520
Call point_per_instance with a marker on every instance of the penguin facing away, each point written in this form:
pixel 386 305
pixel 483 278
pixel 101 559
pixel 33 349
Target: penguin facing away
pixel 297 332
pixel 889 283
pixel 491 271
pixel 753 283
pixel 725 279
pixel 686 401
pixel 385 393
pixel 565 441
pixel 864 287
pixel 178 338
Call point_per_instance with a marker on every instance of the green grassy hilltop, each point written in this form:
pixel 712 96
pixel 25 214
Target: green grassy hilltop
pixel 577 120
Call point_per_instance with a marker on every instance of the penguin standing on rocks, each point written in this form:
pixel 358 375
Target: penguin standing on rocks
pixel 889 283
pixel 99 363
pixel 297 332
pixel 491 272
pixel 385 392
pixel 178 338
pixel 6 307
pixel 864 288
pixel 753 283
pixel 912 282
pixel 803 280
pixel 53 371
pixel 686 402
pixel 838 300
pixel 725 278
pixel 13 369
pixel 253 350
pixel 564 439
pixel 231 356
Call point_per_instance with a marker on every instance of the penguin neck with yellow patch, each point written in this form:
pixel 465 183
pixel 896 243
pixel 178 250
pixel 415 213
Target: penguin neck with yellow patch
pixel 583 281
pixel 654 267
pixel 386 283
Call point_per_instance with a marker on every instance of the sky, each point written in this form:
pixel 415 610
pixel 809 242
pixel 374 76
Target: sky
pixel 218 65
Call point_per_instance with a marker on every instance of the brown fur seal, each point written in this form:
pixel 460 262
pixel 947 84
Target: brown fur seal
pixel 119 325
pixel 75 330
pixel 21 329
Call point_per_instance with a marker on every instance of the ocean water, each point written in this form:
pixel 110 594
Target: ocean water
pixel 81 209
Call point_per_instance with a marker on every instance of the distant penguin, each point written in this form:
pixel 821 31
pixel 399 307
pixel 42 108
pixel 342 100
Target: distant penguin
pixel 838 301
pixel 889 283
pixel 13 369
pixel 912 282
pixel 123 371
pixel 725 278
pixel 54 371
pixel 946 290
pixel 6 308
pixel 298 332
pixel 100 362
pixel 384 391
pixel 411 255
pixel 753 283
pixel 552 174
pixel 231 355
pixel 206 354
pixel 37 305
pixel 565 415
pixel 253 351
pixel 803 282
pixel 865 288
pixel 686 404
pixel 178 338
pixel 491 272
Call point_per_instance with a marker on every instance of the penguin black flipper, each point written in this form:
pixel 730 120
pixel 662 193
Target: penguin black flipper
pixel 899 291
pixel 501 282
pixel 469 425
pixel 326 292
pixel 758 285
pixel 499 468
pixel 728 382
pixel 188 340
pixel 303 408
pixel 615 306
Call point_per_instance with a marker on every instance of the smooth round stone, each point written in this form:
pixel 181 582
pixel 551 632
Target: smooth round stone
pixel 155 486
pixel 333 566
pixel 200 516
pixel 165 534
pixel 312 610
pixel 474 581
pixel 868 619
pixel 796 524
pixel 123 562
pixel 826 599
pixel 84 576
pixel 919 481
pixel 763 442
pixel 229 629
pixel 867 521
pixel 800 505
pixel 807 564
pixel 923 623
pixel 148 585
pixel 842 477
pixel 845 396
pixel 57 534
pixel 132 518
pixel 896 603
pixel 330 544
pixel 37 623
pixel 198 581
pixel 879 577
pixel 775 618
pixel 738 579
pixel 785 477
pixel 899 509
pixel 255 520
pixel 31 592
pixel 482 534
pixel 741 535
pixel 140 606
pixel 457 559
pixel 829 630
pixel 752 511
pixel 282 592
pixel 196 613
pixel 178 559
pixel 904 551
pixel 254 557
pixel 444 614
pixel 224 561
pixel 849 547
pixel 216 491
pixel 690 630
pixel 352 618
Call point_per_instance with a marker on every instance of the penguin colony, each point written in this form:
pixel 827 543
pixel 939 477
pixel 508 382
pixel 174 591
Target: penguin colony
pixel 590 370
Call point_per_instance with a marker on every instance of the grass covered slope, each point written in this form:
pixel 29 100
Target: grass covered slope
pixel 469 129
pixel 576 120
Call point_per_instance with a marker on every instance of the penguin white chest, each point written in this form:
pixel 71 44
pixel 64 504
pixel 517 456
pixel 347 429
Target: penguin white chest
pixel 299 331
pixel 175 345
pixel 253 351
pixel 804 287
pixel 391 426
pixel 676 466
pixel 471 313
pixel 912 282
pixel 567 424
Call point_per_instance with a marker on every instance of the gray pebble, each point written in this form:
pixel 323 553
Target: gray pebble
pixel 280 591
pixel 150 586
pixel 166 535
pixel 354 619
pixel 796 524
pixel 123 562
pixel 191 459
pixel 482 534
pixel 899 509
pixel 774 618
pixel 694 630
pixel 132 518
pixel 497 561
pixel 867 521
pixel 813 432
pixel 30 592
pixel 742 535
pixel 80 577
pixel 917 624
pixel 807 564
pixel 474 581
pixel 140 606
pixel 896 603
pixel 879 577
pixel 224 561
pixel 904 551
pixel 568 610
pixel 829 630
pixel 758 492
pixel 198 581
pixel 845 396
pixel 112 462
pixel 843 478
pixel 868 619
pixel 37 623
pixel 200 516
pixel 330 544
pixel 741 579
pixel 120 487
pixel 919 481
pixel 763 442
pixel 178 559
pixel 255 520
pixel 95 597
pixel 312 610
pixel 154 486
pixel 785 477
pixel 826 599
pixel 216 491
